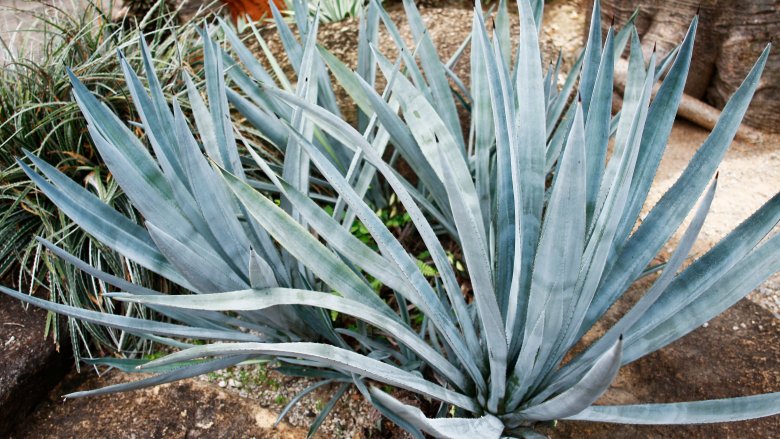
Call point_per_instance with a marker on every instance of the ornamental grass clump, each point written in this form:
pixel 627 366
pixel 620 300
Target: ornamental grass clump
pixel 37 113
pixel 547 230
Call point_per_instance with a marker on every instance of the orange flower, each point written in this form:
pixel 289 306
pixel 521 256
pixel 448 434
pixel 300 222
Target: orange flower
pixel 256 9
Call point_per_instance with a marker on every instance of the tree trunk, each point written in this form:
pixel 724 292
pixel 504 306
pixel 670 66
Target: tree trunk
pixel 729 39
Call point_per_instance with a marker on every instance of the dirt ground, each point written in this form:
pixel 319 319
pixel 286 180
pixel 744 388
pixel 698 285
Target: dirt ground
pixel 187 409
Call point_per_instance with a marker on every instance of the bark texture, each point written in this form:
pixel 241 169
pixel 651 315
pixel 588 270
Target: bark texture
pixel 730 37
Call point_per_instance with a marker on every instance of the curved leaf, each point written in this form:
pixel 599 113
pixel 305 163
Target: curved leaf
pixel 698 412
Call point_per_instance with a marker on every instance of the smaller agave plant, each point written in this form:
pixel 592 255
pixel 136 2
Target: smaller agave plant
pixel 546 226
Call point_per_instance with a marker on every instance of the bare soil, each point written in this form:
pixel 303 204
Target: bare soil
pixel 187 409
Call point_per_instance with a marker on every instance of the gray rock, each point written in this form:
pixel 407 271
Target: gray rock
pixel 31 365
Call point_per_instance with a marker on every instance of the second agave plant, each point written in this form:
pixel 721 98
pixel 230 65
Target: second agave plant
pixel 547 229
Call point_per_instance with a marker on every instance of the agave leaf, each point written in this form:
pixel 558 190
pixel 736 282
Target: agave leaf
pixel 697 412
pixel 144 190
pixel 130 365
pixel 157 96
pixel 131 324
pixel 206 270
pixel 679 255
pixel 392 416
pixel 367 174
pixel 220 115
pixel 506 198
pixel 295 53
pixel 476 256
pixel 248 60
pixel 408 55
pixel 579 365
pixel 599 243
pixel 368 33
pixel 631 99
pixel 597 124
pixel 159 128
pixel 378 349
pixel 508 222
pixel 343 241
pixel 133 167
pixel 248 85
pixel 433 137
pixel 424 295
pixel 123 140
pixel 214 201
pixel 366 179
pixel 203 121
pixel 705 271
pixel 303 246
pixel 347 135
pixel 249 300
pixel 592 58
pixel 660 120
pixel 503 30
pixel 367 98
pixel 264 122
pixel 296 161
pixel 434 73
pixel 300 12
pixel 261 275
pixel 559 254
pixel 166 377
pixel 212 320
pixel 156 118
pixel 555 144
pixel 487 426
pixel 461 92
pixel 482 130
pixel 670 211
pixel 328 356
pixel 529 156
pixel 279 73
pixel 559 104
pixel 101 221
pixel 538 7
pixel 732 286
pixel 582 394
pixel 548 81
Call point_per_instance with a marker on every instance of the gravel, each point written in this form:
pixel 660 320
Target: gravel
pixel 352 417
